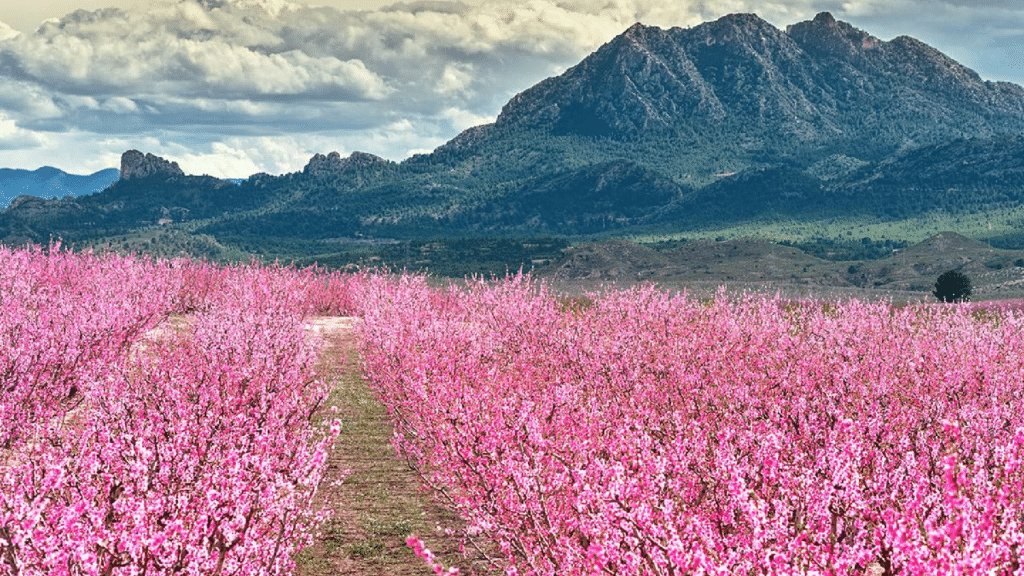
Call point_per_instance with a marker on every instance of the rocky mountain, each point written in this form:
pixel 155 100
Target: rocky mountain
pixel 676 129
pixel 49 182
pixel 820 82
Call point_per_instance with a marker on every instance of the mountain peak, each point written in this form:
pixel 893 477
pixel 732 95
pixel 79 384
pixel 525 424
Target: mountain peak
pixel 634 29
pixel 825 18
pixel 48 172
pixel 747 20
pixel 824 36
pixel 135 164
pixel 739 28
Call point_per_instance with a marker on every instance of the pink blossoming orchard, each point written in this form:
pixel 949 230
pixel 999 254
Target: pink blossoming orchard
pixel 660 434
pixel 156 418
pixel 127 450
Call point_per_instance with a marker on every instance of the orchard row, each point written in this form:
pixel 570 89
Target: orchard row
pixel 155 416
pixel 643 432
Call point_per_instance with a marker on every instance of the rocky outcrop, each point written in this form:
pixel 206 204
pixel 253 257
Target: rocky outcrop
pixel 354 172
pixel 135 164
pixel 333 164
pixel 26 200
pixel 827 37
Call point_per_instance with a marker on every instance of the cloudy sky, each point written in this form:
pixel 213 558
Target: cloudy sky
pixel 234 87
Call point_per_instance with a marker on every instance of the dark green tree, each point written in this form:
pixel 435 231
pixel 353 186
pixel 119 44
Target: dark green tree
pixel 953 286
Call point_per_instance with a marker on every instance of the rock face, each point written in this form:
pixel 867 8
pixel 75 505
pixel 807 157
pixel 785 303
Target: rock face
pixel 826 37
pixel 135 164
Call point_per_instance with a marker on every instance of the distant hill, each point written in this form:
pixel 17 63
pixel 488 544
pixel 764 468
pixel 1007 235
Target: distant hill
pixel 48 182
pixel 994 273
pixel 679 129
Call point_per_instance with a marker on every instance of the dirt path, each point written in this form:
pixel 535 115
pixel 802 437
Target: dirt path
pixel 380 501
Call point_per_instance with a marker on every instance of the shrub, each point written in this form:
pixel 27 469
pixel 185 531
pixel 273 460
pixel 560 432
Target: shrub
pixel 953 286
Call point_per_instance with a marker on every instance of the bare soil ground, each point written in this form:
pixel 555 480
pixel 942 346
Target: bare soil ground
pixel 380 502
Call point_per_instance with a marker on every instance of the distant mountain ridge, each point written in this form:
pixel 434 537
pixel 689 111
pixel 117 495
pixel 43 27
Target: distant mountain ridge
pixel 49 182
pixel 674 129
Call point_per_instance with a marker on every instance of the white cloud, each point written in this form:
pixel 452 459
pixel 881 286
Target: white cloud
pixel 120 105
pixel 456 78
pixel 240 70
pixel 167 63
pixel 13 137
pixel 244 156
pixel 6 32
pixel 76 102
pixel 27 100
pixel 237 157
pixel 463 119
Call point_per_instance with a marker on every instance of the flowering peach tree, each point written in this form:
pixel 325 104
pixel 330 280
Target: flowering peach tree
pixel 655 433
pixel 121 452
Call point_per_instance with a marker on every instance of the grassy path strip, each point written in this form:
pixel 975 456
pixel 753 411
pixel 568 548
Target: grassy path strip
pixel 380 502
